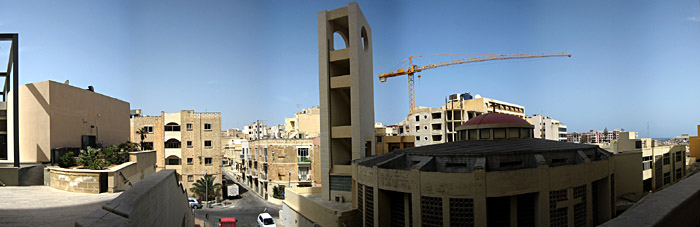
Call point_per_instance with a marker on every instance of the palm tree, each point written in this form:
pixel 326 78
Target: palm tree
pixel 142 132
pixel 200 187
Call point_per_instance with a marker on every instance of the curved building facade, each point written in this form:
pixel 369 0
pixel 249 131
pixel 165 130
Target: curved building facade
pixel 496 175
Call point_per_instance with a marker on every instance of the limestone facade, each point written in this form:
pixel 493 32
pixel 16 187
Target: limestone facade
pixel 185 141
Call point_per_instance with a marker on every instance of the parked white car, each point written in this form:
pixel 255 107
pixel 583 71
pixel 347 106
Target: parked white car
pixel 265 220
pixel 194 203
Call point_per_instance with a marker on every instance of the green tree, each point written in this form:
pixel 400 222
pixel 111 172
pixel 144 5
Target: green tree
pixel 142 133
pixel 200 187
pixel 584 139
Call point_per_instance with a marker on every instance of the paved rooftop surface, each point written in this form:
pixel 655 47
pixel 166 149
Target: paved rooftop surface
pixel 46 206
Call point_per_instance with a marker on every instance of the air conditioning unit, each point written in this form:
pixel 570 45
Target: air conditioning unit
pixel 339 199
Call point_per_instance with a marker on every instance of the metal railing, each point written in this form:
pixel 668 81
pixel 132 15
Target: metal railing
pixel 304 159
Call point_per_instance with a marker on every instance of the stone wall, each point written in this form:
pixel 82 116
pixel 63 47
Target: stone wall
pixel 75 181
pixel 119 178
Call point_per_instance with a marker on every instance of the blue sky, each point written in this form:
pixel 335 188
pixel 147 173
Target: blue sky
pixel 633 61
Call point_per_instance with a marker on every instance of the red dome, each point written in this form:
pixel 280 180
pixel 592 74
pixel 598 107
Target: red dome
pixel 495 118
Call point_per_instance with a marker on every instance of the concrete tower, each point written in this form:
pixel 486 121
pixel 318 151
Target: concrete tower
pixel 346 97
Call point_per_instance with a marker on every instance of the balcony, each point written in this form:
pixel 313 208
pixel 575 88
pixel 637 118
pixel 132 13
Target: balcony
pixel 304 159
pixel 304 177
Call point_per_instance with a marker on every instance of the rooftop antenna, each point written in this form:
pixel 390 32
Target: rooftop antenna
pixel 648 135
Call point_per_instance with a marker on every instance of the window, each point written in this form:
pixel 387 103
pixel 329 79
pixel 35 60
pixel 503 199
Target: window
pixel 172 143
pixel 425 127
pixel 425 116
pixel 149 129
pixel 637 144
pixel 172 127
pixel 147 146
pixel 207 126
pixel 189 161
pixel 189 126
pixel 417 128
pixel 678 156
pixel 207 161
pixel 667 159
pixel 190 178
pixel 303 173
pixel 667 178
pixel 379 139
pixel 679 174
pixel 417 138
pixel 173 161
pixel 189 143
pixel 207 143
pixel 303 151
pixel 417 118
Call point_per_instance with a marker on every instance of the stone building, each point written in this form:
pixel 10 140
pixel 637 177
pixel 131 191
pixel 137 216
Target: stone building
pixel 495 174
pixel 185 141
pixel 304 124
pixel 438 125
pixel 283 163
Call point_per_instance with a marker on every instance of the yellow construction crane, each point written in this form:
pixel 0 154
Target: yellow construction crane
pixel 412 69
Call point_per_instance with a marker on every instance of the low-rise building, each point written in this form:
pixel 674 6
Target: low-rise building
pixel 661 165
pixel 282 163
pixel 304 124
pixel 185 141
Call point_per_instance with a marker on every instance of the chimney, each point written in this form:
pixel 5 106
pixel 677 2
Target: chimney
pixel 91 88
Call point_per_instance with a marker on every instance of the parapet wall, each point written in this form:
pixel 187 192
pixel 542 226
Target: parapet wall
pixel 158 200
pixel 118 178
pixel 676 205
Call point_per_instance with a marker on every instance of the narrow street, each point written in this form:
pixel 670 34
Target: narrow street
pixel 244 208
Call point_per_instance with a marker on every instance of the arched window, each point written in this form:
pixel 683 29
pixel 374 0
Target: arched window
pixel 173 143
pixel 172 127
pixel 172 160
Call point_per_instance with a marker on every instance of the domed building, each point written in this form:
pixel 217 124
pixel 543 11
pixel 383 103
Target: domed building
pixel 497 174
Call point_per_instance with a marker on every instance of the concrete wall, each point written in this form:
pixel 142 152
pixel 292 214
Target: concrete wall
pixel 57 115
pixel 155 201
pixel 628 173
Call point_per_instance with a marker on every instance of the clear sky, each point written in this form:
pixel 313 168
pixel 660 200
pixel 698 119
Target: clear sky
pixel 633 61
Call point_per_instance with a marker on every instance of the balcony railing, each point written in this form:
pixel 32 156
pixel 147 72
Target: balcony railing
pixel 304 159
pixel 304 177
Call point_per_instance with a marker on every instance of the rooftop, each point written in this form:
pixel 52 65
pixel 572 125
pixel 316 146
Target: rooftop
pixel 495 155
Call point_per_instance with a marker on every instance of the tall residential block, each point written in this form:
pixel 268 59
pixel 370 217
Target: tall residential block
pixel 185 141
pixel 346 97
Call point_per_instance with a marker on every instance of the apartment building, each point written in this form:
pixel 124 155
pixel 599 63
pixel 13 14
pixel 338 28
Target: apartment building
pixel 661 165
pixel 185 141
pixel 304 124
pixel 593 136
pixel 547 128
pixel 282 163
pixel 258 130
pixel 437 125
pixel 231 141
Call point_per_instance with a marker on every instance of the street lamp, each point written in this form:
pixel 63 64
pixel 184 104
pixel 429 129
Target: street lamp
pixel 206 188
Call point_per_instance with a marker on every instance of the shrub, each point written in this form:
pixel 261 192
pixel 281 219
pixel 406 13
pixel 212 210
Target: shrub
pixel 66 160
pixel 114 155
pixel 92 159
